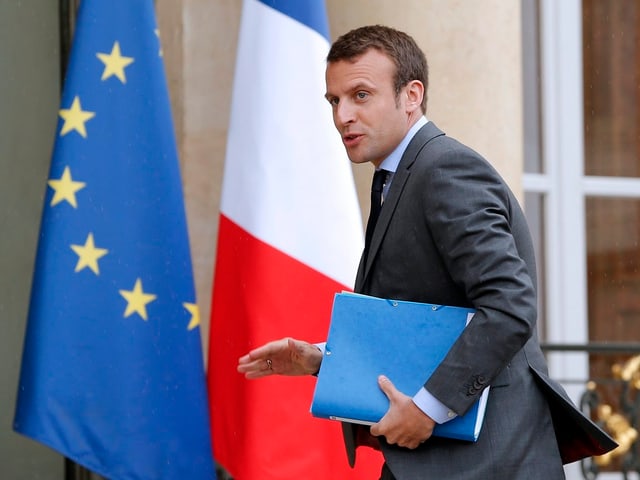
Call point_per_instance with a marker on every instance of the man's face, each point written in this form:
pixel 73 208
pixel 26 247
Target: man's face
pixel 371 119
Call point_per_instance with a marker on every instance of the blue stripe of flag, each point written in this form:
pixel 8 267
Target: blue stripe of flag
pixel 311 13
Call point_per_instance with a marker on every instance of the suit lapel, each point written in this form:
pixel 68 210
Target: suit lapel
pixel 424 135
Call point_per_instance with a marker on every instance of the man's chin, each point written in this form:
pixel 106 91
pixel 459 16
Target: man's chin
pixel 357 159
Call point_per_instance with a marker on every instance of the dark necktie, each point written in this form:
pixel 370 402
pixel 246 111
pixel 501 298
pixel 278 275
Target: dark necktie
pixel 379 179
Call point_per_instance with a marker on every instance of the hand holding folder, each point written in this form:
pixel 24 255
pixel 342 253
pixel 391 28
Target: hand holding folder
pixel 404 341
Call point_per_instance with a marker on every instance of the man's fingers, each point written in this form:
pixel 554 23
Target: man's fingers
pixel 387 387
pixel 389 390
pixel 286 356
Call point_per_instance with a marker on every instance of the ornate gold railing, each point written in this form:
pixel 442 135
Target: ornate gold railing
pixel 613 402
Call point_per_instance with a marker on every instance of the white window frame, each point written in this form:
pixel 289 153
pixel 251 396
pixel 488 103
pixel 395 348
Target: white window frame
pixel 564 189
pixel 560 184
pixel 563 184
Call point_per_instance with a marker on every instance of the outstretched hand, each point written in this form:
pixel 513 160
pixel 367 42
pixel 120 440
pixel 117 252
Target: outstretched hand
pixel 404 424
pixel 286 356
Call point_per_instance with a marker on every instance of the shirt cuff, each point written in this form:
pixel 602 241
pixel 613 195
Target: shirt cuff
pixel 322 347
pixel 433 407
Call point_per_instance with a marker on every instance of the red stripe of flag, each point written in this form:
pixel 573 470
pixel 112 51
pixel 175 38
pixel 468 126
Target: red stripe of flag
pixel 262 428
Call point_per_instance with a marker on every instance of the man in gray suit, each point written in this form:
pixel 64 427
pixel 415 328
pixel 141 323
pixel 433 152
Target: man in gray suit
pixel 449 232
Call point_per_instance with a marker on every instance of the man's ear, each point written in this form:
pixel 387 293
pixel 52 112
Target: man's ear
pixel 414 92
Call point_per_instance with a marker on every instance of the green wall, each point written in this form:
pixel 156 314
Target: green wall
pixel 29 96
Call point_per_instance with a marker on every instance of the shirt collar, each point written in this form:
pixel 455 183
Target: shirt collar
pixel 391 162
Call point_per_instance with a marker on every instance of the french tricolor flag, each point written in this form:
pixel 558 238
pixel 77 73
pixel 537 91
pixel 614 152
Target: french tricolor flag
pixel 290 237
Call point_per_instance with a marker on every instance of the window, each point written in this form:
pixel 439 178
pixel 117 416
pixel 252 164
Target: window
pixel 582 182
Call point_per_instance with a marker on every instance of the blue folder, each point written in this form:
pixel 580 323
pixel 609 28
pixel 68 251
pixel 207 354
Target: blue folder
pixel 405 341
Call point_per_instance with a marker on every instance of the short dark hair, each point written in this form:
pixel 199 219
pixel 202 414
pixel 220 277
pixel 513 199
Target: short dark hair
pixel 409 59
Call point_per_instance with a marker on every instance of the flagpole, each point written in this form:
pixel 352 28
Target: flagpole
pixel 73 471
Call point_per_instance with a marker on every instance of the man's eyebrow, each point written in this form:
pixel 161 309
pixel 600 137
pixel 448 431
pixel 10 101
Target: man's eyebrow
pixel 355 88
pixel 362 86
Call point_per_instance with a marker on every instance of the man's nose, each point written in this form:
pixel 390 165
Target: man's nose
pixel 344 113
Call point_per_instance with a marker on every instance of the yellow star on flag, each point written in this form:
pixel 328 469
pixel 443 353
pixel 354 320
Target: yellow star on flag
pixel 65 189
pixel 137 300
pixel 193 309
pixel 114 63
pixel 75 118
pixel 88 255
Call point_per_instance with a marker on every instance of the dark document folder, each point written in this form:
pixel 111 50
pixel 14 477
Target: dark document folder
pixel 405 341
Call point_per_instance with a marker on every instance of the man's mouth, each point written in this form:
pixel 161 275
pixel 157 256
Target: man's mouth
pixel 351 139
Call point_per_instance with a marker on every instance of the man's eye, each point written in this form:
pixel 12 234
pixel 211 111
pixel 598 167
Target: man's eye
pixel 362 95
pixel 333 101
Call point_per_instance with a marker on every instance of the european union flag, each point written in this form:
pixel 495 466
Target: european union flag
pixel 112 370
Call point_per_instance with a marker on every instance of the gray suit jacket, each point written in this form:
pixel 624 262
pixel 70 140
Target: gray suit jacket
pixel 451 232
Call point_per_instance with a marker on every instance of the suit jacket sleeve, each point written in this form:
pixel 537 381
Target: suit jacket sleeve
pixel 480 233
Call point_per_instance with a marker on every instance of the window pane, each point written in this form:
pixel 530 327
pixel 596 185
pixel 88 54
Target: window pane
pixel 534 211
pixel 611 95
pixel 531 86
pixel 613 261
pixel 613 282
